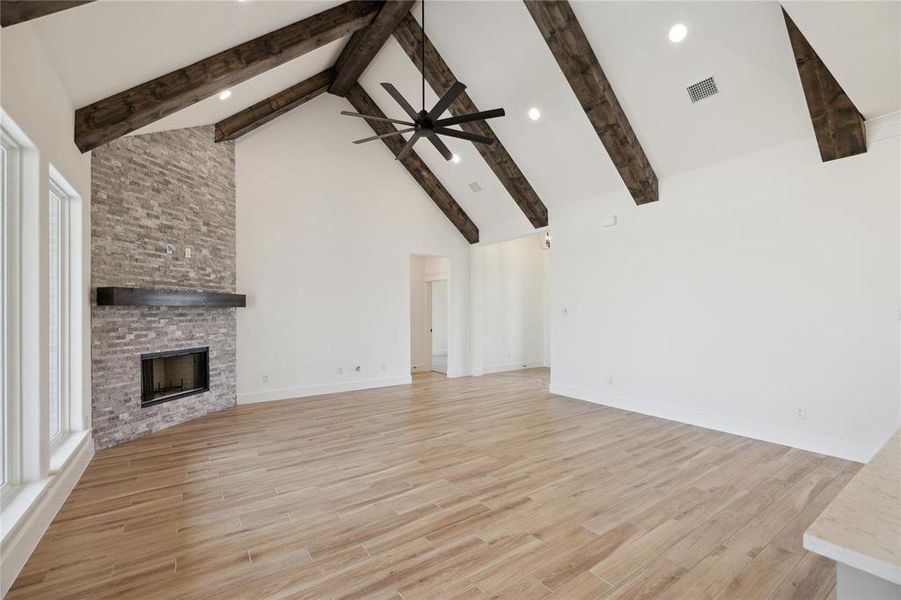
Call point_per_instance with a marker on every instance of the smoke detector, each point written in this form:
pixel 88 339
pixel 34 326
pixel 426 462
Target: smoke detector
pixel 702 89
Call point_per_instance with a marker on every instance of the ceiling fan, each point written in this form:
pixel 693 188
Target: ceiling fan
pixel 427 123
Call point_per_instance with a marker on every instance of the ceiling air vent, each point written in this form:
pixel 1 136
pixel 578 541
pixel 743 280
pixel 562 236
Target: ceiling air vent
pixel 475 187
pixel 702 89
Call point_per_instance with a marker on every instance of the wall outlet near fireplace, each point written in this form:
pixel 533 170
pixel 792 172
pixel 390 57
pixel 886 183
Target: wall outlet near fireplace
pixel 170 249
pixel 358 369
pixel 265 377
pixel 187 253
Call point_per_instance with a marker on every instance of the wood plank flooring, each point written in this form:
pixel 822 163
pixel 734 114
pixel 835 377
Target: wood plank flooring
pixel 483 487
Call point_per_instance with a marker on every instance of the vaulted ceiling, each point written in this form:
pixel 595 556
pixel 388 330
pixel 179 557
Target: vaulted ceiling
pixel 496 49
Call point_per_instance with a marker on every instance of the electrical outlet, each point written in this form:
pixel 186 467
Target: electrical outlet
pixel 610 381
pixel 565 312
pixel 170 249
pixel 801 412
pixel 187 253
pixel 340 370
pixel 358 369
pixel 265 378
pixel 384 367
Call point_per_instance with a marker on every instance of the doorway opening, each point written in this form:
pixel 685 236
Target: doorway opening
pixel 437 301
pixel 429 314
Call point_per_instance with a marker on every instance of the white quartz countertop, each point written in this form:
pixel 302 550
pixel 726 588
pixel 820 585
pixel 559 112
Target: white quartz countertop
pixel 861 527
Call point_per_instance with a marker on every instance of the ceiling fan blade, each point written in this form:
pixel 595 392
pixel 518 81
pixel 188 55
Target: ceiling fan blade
pixel 384 135
pixel 374 118
pixel 481 139
pixel 409 147
pixel 441 147
pixel 485 114
pixel 400 100
pixel 448 97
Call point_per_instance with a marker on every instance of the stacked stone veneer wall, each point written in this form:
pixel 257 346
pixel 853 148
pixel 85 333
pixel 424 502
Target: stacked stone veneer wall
pixel 155 198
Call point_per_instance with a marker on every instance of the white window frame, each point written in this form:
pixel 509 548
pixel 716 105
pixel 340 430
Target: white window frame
pixel 60 188
pixel 11 306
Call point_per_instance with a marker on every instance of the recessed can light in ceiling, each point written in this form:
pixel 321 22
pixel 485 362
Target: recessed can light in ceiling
pixel 534 114
pixel 677 33
pixel 224 94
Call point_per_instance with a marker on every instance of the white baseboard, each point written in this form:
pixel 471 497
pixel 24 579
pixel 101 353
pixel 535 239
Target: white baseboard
pixel 44 499
pixel 452 373
pixel 797 439
pixel 531 364
pixel 323 388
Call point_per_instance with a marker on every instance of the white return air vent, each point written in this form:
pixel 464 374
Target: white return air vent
pixel 475 187
pixel 702 89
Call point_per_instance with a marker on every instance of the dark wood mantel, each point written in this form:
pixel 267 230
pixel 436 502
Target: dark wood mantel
pixel 127 296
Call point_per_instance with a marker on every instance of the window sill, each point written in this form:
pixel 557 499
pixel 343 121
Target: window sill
pixel 19 499
pixel 65 448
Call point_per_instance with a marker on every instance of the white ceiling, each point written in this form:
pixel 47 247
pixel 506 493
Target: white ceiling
pixel 494 47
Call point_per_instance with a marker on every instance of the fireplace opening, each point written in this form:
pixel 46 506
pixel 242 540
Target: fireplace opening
pixel 174 374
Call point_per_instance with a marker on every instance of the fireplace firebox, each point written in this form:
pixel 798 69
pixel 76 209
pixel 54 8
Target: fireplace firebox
pixel 174 374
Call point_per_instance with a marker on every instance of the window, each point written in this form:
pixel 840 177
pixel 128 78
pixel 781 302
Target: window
pixel 10 178
pixel 59 307
pixel 3 419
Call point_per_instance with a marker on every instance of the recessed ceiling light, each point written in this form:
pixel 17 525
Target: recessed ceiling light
pixel 223 95
pixel 677 33
pixel 534 114
pixel 455 158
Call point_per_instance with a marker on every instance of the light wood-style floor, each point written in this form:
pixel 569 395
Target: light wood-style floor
pixel 449 488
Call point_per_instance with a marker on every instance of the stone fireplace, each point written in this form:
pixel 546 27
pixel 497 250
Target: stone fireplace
pixel 163 217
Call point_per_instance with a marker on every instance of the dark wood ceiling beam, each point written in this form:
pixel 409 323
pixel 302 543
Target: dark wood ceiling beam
pixel 274 106
pixel 365 44
pixel 838 125
pixel 441 78
pixel 361 101
pixel 127 111
pixel 13 12
pixel 569 45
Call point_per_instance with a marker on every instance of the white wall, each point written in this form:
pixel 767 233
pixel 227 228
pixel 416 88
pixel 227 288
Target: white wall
pixel 36 105
pixel 753 288
pixel 325 230
pixel 512 287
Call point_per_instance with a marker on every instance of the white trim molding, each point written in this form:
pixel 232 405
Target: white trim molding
pixel 33 508
pixel 454 373
pixel 797 439
pixel 323 388
pixel 883 127
pixel 488 369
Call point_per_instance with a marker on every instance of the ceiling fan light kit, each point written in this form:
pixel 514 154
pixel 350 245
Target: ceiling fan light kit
pixel 428 124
